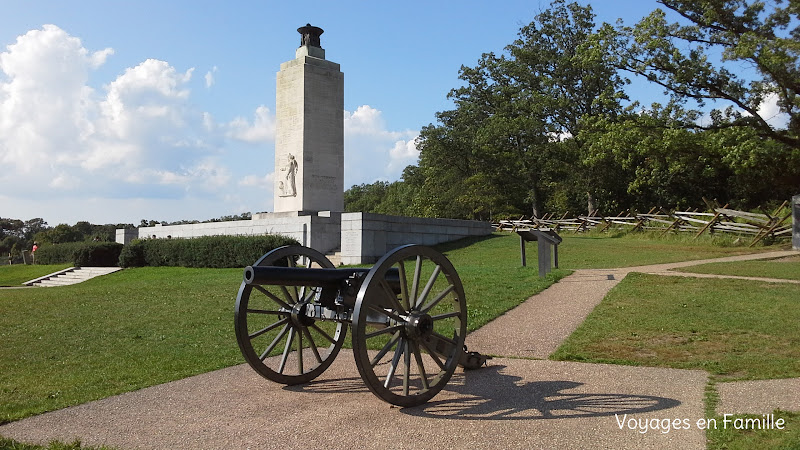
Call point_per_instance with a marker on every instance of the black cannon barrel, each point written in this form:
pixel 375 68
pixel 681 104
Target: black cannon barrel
pixel 301 276
pixel 297 276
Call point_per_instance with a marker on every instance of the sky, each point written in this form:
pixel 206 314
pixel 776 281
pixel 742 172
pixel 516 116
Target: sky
pixel 114 112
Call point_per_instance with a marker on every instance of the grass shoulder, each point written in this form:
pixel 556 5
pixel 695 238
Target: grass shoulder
pixel 782 268
pixel 733 329
pixel 600 251
pixel 743 432
pixel 10 444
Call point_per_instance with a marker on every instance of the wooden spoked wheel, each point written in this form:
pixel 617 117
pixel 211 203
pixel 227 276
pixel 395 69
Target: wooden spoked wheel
pixel 409 324
pixel 274 335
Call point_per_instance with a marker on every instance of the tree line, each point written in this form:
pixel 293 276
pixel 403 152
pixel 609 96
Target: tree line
pixel 548 126
pixel 17 235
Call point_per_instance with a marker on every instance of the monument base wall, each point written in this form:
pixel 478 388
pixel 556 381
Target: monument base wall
pixel 366 236
pixel 362 238
pixel 320 231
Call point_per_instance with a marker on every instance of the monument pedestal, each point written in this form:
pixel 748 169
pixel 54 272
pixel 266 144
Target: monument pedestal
pixel 309 137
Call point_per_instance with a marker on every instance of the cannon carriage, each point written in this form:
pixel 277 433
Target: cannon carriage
pixel 407 316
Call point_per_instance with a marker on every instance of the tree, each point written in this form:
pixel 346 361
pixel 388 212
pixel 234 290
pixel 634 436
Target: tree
pixel 83 229
pixel 59 234
pixel 501 149
pixel 743 32
pixel 650 162
pixel 365 197
pixel 150 223
pixel 34 226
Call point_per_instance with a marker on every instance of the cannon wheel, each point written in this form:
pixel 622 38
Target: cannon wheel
pixel 407 344
pixel 285 347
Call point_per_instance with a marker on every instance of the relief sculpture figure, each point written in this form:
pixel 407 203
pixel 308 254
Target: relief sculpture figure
pixel 289 188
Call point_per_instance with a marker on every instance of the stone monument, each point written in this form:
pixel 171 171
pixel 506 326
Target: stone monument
pixel 309 138
pixel 309 176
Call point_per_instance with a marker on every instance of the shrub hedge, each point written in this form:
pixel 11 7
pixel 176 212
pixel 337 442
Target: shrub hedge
pixel 207 251
pixel 98 254
pixel 57 253
pixel 80 254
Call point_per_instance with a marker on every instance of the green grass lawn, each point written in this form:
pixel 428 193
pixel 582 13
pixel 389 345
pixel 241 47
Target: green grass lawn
pixel 734 329
pixel 10 444
pixel 19 273
pixel 135 328
pixel 746 439
pixel 592 251
pixel 139 327
pixel 784 268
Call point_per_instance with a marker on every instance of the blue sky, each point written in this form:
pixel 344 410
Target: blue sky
pixel 115 111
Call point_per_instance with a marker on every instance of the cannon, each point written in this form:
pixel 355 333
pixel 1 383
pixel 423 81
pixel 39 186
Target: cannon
pixel 407 316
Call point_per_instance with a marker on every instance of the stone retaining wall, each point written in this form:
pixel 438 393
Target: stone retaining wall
pixel 361 237
pixel 325 225
pixel 366 237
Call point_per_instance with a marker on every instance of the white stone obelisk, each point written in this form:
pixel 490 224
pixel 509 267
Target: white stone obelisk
pixel 309 137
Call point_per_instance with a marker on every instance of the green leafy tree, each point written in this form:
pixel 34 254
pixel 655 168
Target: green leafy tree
pixel 658 164
pixel 682 58
pixel 83 229
pixel 365 197
pixel 33 226
pixel 60 234
pixel 502 148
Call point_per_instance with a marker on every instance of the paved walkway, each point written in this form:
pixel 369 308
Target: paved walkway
pixel 514 403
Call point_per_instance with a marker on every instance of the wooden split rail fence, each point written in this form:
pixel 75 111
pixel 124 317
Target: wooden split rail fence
pixel 721 220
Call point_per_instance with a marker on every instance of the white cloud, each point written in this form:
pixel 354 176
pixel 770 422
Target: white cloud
pixel 136 146
pixel 372 151
pixel 261 130
pixel 210 77
pixel 137 136
pixel 144 99
pixel 771 112
pixel 263 182
pixel 65 181
pixel 403 153
pixel 208 122
pixel 364 120
pixel 368 121
pixel 768 110
pixel 214 174
pixel 46 107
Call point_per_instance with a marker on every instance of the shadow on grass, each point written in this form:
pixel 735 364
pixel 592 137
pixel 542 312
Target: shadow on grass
pixel 488 394
pixel 463 242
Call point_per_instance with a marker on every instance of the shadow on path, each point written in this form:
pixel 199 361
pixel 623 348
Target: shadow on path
pixel 488 394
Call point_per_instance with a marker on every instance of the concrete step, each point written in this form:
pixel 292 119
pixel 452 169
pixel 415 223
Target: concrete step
pixel 99 269
pixel 55 282
pixel 73 275
pixel 335 257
